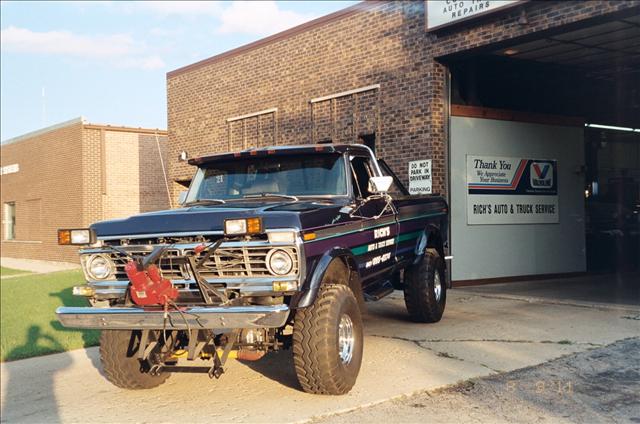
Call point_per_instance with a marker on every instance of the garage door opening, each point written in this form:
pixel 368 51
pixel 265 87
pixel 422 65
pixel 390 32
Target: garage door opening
pixel 567 101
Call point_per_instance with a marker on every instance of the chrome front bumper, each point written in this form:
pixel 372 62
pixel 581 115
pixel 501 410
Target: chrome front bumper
pixel 212 317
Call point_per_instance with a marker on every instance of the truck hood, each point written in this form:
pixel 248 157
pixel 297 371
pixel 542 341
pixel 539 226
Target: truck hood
pixel 198 219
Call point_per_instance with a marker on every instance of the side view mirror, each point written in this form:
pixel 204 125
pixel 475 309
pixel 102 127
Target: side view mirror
pixel 380 184
pixel 182 197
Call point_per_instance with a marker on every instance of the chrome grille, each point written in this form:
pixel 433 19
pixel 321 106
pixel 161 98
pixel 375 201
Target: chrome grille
pixel 169 266
pixel 243 261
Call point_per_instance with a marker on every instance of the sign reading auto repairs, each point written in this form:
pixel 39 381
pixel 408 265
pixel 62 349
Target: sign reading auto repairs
pixel 420 176
pixel 446 12
pixel 512 190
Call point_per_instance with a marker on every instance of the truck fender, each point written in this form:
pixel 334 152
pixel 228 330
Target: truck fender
pixel 314 280
pixel 421 247
pixel 430 237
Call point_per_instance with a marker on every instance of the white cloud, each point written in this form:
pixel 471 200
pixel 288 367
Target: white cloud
pixel 161 8
pixel 147 62
pixel 120 50
pixel 236 17
pixel 174 8
pixel 258 18
pixel 165 32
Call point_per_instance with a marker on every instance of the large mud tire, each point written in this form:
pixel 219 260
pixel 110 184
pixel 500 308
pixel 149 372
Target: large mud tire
pixel 319 357
pixel 425 288
pixel 120 363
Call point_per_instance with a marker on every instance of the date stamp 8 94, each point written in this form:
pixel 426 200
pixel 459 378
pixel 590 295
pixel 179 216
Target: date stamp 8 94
pixel 542 387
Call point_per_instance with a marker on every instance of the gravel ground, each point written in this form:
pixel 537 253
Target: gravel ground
pixel 597 386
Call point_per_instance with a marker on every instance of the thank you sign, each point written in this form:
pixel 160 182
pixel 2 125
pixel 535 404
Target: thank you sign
pixel 420 180
pixel 441 13
pixel 506 190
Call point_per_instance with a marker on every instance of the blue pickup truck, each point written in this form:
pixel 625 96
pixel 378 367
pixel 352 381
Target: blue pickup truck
pixel 271 249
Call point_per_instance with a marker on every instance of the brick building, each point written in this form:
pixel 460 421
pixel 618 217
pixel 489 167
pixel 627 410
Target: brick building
pixel 421 80
pixel 72 174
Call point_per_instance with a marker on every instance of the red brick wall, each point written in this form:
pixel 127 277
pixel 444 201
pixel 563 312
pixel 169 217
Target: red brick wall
pixel 382 43
pixel 51 171
pixel 73 176
pixel 540 16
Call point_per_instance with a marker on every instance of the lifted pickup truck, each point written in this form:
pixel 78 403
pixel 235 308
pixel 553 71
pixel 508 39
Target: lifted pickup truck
pixel 272 248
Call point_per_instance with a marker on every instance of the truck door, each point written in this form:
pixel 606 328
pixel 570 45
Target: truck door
pixel 376 250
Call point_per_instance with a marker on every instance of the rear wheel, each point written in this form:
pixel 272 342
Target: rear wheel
pixel 119 357
pixel 327 342
pixel 425 288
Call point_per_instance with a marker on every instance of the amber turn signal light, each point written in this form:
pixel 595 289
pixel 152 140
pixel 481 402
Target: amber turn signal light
pixel 242 226
pixel 64 237
pixel 80 236
pixel 254 225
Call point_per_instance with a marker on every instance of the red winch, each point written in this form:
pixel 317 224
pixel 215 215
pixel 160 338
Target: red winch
pixel 147 285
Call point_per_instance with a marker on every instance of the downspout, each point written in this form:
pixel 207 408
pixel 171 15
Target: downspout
pixel 447 174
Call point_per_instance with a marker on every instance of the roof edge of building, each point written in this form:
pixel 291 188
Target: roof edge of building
pixel 86 125
pixel 78 120
pixel 322 20
pixel 108 127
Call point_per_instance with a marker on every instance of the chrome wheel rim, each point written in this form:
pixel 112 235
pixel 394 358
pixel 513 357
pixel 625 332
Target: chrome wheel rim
pixel 437 286
pixel 346 339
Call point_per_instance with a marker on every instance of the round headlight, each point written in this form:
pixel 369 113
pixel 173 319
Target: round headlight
pixel 279 262
pixel 99 267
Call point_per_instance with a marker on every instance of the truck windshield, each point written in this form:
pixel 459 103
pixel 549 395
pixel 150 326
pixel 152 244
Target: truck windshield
pixel 300 175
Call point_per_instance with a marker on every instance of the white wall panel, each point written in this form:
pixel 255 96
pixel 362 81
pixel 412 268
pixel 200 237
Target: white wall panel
pixel 491 251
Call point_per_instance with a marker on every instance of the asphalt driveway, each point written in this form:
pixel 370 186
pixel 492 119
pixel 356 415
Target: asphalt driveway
pixel 595 386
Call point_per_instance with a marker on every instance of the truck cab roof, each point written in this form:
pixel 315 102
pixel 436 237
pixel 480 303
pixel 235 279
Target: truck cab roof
pixel 283 150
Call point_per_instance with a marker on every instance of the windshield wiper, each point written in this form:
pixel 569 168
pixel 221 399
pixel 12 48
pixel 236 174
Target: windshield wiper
pixel 284 196
pixel 205 202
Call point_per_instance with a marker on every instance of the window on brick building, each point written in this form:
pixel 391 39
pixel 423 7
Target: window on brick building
pixel 9 220
pixel 258 129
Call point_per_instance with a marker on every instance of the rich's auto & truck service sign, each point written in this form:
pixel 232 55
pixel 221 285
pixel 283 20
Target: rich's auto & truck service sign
pixel 505 190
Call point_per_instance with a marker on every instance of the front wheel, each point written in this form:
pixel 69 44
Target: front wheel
pixel 119 357
pixel 425 288
pixel 327 342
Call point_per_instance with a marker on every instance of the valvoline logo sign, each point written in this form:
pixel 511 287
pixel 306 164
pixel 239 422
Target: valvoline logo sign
pixel 541 175
pixel 496 175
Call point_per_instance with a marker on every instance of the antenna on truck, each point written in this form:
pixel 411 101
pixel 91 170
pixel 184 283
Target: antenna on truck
pixel 164 171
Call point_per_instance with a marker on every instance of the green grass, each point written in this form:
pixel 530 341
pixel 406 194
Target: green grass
pixel 27 316
pixel 10 271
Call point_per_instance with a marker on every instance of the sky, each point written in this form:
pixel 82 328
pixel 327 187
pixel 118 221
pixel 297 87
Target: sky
pixel 107 61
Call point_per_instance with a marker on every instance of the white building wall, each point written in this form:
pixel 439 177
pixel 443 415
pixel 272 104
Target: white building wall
pixel 492 251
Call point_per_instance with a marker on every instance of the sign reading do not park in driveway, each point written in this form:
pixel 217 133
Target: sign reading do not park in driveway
pixel 505 190
pixel 420 177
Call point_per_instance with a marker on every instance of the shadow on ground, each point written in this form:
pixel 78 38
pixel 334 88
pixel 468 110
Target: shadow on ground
pixel 13 399
pixel 276 366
